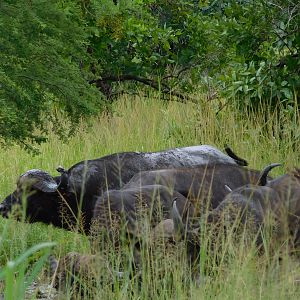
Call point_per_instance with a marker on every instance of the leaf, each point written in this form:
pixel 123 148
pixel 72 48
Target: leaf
pixel 25 255
pixel 287 93
pixel 166 45
pixel 136 60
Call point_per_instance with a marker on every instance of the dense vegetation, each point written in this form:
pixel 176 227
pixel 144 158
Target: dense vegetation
pixel 73 56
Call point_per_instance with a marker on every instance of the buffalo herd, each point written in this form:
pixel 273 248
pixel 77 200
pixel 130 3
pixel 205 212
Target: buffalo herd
pixel 60 200
pixel 172 193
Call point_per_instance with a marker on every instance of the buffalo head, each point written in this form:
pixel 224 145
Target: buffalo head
pixel 37 196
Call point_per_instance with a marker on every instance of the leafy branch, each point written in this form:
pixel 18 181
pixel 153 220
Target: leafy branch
pixel 155 84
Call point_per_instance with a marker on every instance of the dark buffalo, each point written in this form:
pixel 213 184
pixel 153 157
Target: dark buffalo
pixel 137 216
pixel 42 201
pixel 270 205
pixel 57 200
pixel 275 203
pixel 205 186
pixel 288 189
pixel 140 213
pixel 138 208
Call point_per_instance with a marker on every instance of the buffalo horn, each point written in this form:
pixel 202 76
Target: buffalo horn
pixel 39 180
pixel 264 174
pixel 228 188
pixel 178 224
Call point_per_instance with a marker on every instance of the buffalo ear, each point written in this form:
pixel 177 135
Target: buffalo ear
pixel 60 169
pixel 265 172
pixel 64 179
pixel 37 179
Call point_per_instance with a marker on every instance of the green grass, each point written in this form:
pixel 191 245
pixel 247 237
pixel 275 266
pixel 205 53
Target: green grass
pixel 139 124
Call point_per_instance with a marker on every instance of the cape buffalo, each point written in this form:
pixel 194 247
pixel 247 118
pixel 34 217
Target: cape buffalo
pixel 59 200
pixel 273 205
pixel 205 186
pixel 137 208
pixel 227 208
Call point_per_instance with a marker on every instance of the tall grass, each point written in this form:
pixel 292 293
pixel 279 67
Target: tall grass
pixel 139 124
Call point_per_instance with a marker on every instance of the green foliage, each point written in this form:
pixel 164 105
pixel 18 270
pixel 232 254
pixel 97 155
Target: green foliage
pixel 42 45
pixel 130 38
pixel 54 55
pixel 252 83
pixel 264 38
pixel 152 39
pixel 250 48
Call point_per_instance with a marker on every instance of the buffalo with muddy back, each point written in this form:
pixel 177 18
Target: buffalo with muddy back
pixel 204 186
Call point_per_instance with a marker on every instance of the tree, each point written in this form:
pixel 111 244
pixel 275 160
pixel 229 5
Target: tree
pixel 150 42
pixel 56 55
pixel 42 58
pixel 264 40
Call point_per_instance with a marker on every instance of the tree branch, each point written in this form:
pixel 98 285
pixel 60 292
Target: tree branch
pixel 159 86
pixel 178 73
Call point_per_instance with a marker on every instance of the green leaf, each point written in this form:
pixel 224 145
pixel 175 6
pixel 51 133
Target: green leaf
pixel 136 60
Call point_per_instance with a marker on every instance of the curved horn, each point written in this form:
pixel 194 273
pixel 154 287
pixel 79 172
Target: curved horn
pixel 178 224
pixel 264 174
pixel 238 160
pixel 228 188
pixel 39 180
